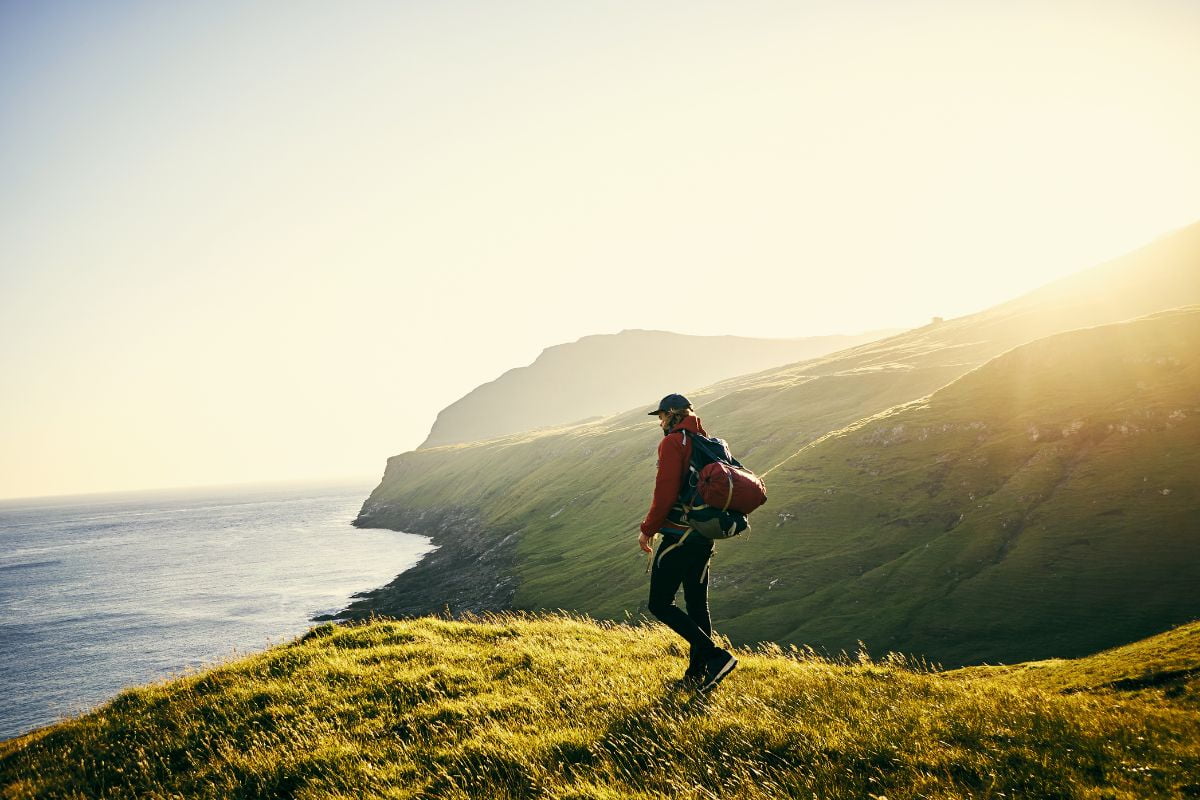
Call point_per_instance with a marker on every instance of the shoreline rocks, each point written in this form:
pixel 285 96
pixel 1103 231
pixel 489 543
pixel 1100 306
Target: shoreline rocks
pixel 471 571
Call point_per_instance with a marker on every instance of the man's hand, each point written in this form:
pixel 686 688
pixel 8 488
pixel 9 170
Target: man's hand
pixel 644 541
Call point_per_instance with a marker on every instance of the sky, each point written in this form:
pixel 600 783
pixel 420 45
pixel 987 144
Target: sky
pixel 262 241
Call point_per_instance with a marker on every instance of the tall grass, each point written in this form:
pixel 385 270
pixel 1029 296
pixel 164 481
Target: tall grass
pixel 561 706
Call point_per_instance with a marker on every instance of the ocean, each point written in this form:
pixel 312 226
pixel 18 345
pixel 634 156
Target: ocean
pixel 102 592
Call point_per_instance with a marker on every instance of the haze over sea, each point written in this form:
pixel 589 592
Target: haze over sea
pixel 101 592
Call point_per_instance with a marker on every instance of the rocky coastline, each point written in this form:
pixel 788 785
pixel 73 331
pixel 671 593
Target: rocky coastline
pixel 471 571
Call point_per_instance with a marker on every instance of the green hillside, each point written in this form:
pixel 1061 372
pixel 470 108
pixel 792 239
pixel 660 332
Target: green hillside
pixel 564 707
pixel 1165 667
pixel 1044 504
pixel 951 495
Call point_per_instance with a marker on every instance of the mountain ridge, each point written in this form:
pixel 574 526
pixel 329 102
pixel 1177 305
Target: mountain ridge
pixel 572 381
pixel 560 500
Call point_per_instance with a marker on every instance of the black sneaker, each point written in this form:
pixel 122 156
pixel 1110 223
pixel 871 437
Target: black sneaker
pixel 687 683
pixel 692 677
pixel 716 668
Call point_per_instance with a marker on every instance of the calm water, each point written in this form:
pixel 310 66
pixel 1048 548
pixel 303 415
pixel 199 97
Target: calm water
pixel 102 592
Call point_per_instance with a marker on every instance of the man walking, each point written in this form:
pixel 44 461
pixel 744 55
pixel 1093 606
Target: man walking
pixel 684 556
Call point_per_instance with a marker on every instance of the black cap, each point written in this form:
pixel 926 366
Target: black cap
pixel 669 402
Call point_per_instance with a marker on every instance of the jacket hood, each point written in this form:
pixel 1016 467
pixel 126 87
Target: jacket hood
pixel 690 424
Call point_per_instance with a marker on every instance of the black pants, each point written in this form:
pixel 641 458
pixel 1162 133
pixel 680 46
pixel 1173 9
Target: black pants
pixel 684 561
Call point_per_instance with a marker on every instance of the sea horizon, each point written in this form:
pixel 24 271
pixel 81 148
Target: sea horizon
pixel 197 488
pixel 104 591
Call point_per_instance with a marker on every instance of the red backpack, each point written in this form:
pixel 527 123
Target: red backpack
pixel 719 492
pixel 730 488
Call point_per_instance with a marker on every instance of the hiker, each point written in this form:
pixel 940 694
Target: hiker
pixel 683 556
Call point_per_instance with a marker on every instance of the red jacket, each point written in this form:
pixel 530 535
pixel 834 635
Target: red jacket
pixel 674 455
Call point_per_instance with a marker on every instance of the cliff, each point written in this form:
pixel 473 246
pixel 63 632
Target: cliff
pixel 911 504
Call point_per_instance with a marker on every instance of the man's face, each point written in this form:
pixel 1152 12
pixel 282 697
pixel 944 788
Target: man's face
pixel 662 419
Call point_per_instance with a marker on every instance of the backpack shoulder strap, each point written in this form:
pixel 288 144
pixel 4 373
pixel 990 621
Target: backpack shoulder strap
pixel 711 450
pixel 714 450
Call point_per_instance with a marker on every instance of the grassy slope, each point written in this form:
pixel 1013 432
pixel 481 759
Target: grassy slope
pixel 863 550
pixel 1163 667
pixel 1044 504
pixel 564 707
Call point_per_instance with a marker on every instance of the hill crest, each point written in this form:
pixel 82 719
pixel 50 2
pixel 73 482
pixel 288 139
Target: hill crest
pixel 560 706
